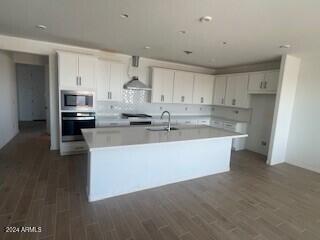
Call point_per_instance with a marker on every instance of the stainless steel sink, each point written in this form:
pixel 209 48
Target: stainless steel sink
pixel 164 129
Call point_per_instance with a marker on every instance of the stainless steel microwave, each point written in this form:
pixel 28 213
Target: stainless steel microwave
pixel 77 100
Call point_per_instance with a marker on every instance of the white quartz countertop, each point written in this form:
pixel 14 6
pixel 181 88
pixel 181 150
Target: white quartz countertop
pixel 100 138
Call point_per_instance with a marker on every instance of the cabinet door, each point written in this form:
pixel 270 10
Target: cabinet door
pixel 117 74
pixel 256 82
pixel 86 71
pixel 102 74
pixel 272 79
pixel 182 87
pixel 203 89
pixel 162 85
pixel 220 90
pixel 237 91
pixel 68 70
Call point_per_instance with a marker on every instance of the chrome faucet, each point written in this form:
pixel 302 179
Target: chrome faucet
pixel 169 121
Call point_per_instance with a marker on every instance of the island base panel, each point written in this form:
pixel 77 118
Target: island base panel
pixel 117 171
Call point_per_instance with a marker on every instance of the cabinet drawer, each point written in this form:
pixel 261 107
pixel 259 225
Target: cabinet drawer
pixel 229 126
pixel 203 122
pixel 217 124
pixel 187 122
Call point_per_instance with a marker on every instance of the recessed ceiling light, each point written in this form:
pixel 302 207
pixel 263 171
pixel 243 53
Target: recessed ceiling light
pixel 285 46
pixel 42 27
pixel 124 15
pixel 147 47
pixel 205 19
pixel 213 60
pixel 183 31
pixel 187 52
pixel 224 43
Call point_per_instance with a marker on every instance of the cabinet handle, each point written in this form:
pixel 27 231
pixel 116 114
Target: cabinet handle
pixel 110 95
pixel 233 101
pixel 201 100
pixel 261 84
pixel 77 81
pixel 222 100
pixel 265 84
pixel 182 98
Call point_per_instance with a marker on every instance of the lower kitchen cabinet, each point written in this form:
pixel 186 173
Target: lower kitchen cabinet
pixel 240 127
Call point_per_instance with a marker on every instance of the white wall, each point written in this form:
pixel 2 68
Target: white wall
pixel 288 79
pixel 8 99
pixel 259 128
pixel 304 138
pixel 46 48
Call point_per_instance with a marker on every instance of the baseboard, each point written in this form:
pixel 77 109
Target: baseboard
pixel 316 170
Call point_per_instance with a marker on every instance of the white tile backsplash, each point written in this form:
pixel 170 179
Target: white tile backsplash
pixel 116 108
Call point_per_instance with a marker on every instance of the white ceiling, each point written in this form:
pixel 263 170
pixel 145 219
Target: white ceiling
pixel 253 29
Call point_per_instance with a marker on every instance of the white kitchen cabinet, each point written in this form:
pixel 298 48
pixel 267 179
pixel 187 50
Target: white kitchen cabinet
pixel 219 92
pixel 203 89
pixel 265 82
pixel 110 78
pixel 237 90
pixel 76 71
pixel 162 85
pixel 240 127
pixel 272 79
pixel 205 122
pixel 182 87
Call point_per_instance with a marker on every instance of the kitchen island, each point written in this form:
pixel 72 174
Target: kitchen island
pixel 128 159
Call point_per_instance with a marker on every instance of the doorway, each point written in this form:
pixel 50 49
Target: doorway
pixel 32 94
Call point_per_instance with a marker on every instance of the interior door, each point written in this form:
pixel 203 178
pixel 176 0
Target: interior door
pixel 38 91
pixel 86 71
pixel 220 90
pixel 182 87
pixel 68 70
pixel 24 83
pixel 117 74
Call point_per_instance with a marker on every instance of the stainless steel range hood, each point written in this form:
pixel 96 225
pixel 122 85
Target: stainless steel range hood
pixel 135 83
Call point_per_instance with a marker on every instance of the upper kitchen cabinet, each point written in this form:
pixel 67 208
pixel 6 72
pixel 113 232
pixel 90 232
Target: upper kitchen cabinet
pixel 183 87
pixel 265 82
pixel 219 92
pixel 237 90
pixel 76 71
pixel 110 78
pixel 162 85
pixel 203 88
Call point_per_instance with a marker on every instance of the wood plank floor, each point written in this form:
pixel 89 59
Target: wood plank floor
pixel 252 201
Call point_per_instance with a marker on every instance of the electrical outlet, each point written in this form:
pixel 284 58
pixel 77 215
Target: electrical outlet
pixel 263 143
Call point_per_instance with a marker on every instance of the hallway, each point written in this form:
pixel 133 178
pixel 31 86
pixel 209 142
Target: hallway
pixel 252 201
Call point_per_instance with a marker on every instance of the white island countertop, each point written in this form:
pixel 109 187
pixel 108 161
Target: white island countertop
pixel 103 138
